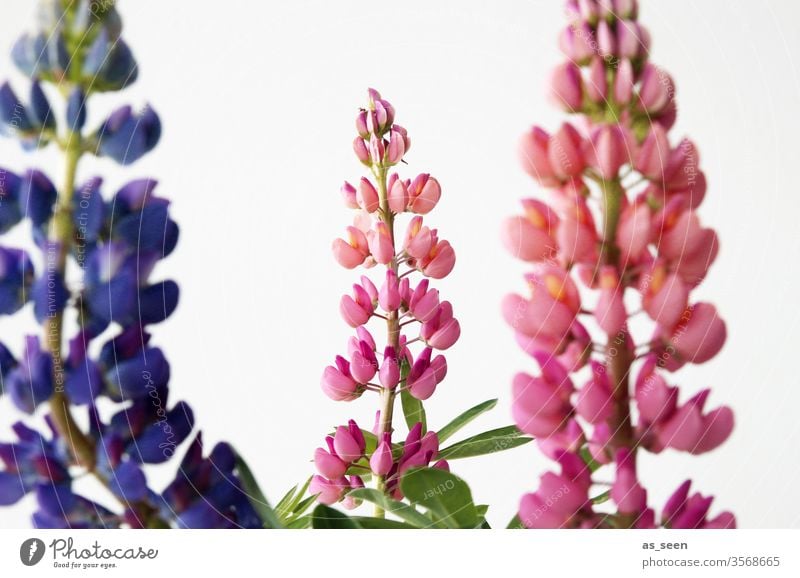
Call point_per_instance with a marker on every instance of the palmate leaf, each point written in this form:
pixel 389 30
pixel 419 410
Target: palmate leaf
pixel 446 496
pixel 496 440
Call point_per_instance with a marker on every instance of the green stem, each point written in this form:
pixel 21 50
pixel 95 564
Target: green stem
pixel 392 326
pixel 61 234
pixel 618 357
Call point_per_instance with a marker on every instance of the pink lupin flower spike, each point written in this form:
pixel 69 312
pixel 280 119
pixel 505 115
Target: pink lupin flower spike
pixel 417 324
pixel 623 222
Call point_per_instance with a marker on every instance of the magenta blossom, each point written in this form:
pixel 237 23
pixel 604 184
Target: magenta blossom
pixel 620 236
pixel 418 324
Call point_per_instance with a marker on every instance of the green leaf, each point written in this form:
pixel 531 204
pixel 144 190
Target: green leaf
pixel 482 509
pixel 300 523
pixel 413 410
pixel 515 524
pixel 255 495
pixel 399 509
pixel 325 518
pixel 464 419
pixel 446 496
pixel 290 505
pixel 282 507
pixel 298 499
pixel 381 524
pixel 303 506
pixel 496 440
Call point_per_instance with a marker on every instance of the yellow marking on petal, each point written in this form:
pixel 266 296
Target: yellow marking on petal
pixel 535 217
pixel 555 287
pixel 658 278
pixel 608 280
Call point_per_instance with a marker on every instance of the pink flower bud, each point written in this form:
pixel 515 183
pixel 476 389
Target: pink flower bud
pixel 389 296
pixel 540 407
pixel 382 461
pixel 424 303
pixel 337 383
pixel 606 41
pixel 700 333
pixel 389 374
pixel 328 491
pixel 367 196
pixel 361 124
pixel 559 498
pixel 423 385
pixel 664 295
pixel 362 367
pixel 380 243
pixel 421 381
pixel 597 85
pixel 443 330
pixel 576 235
pixel 360 148
pixel 440 261
pixel 530 238
pixel 626 491
pixel 623 83
pixel 328 464
pixel 691 431
pixel 610 310
pixel 396 148
pixel 656 89
pixel 655 400
pixel 377 150
pixel 347 446
pixel 564 152
pixel 608 151
pixel 418 240
pixel 629 44
pixel 633 232
pixel 594 402
pixel 351 253
pixel 550 312
pixel 653 156
pixel 566 87
pixel 348 192
pixel 370 288
pixel 398 195
pixel 424 193
pixel 575 43
pixel 533 156
pixel 358 309
pixel 568 439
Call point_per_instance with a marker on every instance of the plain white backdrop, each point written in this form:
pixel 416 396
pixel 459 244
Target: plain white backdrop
pixel 258 101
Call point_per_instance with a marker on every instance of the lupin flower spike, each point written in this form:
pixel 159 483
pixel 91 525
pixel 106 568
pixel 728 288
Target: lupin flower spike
pixel 648 239
pixel 409 314
pixel 115 243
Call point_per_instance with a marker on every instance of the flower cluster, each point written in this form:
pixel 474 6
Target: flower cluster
pixel 95 350
pixel 396 302
pixel 347 452
pixel 622 222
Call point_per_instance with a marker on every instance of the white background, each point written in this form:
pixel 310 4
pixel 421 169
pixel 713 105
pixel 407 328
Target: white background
pixel 258 101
